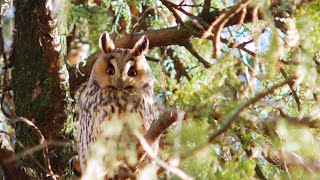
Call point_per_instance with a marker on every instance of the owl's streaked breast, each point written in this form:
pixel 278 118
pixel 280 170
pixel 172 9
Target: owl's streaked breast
pixel 100 105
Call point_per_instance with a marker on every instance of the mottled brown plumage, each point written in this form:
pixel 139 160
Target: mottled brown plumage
pixel 120 84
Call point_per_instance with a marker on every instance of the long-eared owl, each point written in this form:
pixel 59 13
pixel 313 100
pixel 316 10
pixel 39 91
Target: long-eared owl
pixel 120 83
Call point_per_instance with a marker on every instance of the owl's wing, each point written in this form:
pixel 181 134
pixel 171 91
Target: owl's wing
pixel 81 100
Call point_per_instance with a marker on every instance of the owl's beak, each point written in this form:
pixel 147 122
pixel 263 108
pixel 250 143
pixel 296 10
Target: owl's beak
pixel 121 84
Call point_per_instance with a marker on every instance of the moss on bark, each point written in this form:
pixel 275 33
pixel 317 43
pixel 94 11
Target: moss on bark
pixel 39 76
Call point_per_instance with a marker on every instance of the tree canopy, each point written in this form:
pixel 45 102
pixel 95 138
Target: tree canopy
pixel 236 84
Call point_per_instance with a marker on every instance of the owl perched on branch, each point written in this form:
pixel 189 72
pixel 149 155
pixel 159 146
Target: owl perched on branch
pixel 120 86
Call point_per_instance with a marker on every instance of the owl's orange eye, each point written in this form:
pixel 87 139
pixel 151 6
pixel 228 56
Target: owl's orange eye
pixel 110 71
pixel 132 72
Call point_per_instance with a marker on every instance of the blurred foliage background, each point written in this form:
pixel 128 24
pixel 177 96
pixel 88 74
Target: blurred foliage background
pixel 253 114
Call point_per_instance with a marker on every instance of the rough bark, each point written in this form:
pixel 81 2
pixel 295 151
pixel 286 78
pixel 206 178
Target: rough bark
pixel 39 73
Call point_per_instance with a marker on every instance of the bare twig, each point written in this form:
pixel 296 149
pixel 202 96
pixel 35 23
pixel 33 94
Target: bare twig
pixel 178 18
pixel 234 116
pixel 188 45
pixel 192 5
pixel 240 46
pixel 174 13
pixel 255 13
pixel 42 141
pixel 152 59
pixel 36 148
pixel 222 23
pixel 207 32
pixel 198 19
pixel 178 7
pixel 21 145
pixel 161 163
pixel 243 15
pixel 305 121
pixel 294 92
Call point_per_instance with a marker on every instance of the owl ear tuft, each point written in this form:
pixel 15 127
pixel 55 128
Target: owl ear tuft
pixel 105 43
pixel 141 46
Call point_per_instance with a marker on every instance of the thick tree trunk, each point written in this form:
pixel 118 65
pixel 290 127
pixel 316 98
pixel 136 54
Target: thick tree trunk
pixel 40 81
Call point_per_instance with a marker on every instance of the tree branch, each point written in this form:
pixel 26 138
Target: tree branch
pixel 186 26
pixel 42 141
pixel 43 145
pixel 206 8
pixel 180 70
pixel 304 121
pixel 237 45
pixel 294 92
pixel 178 7
pixel 8 160
pixel 290 159
pixel 158 127
pixel 234 116
pixel 191 49
pixel 222 23
pixel 33 149
pixel 248 150
pixel 166 36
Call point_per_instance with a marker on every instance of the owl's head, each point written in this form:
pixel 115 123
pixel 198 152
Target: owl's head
pixel 122 69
